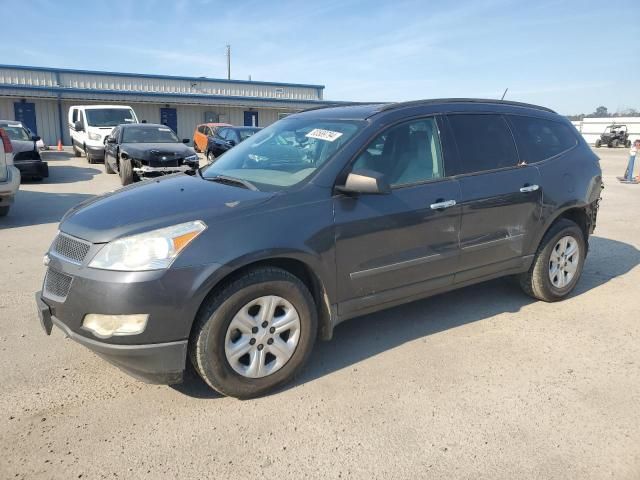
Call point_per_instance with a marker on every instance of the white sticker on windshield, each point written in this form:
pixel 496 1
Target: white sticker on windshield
pixel 164 129
pixel 320 134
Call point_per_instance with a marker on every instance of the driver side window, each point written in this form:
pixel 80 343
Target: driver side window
pixel 406 154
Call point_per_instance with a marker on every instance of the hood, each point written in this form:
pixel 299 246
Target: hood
pixel 155 151
pixel 22 146
pixel 155 204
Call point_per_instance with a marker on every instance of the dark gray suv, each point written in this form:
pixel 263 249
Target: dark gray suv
pixel 323 216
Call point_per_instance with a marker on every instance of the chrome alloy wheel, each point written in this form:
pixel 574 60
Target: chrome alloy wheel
pixel 262 336
pixel 564 261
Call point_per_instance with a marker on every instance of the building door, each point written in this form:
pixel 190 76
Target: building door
pixel 26 113
pixel 250 119
pixel 169 117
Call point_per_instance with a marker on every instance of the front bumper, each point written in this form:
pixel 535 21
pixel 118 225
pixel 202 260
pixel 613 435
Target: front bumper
pixel 147 171
pixel 9 187
pixel 154 363
pixel 97 153
pixel 32 168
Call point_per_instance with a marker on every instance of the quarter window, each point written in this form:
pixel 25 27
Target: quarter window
pixel 405 154
pixel 484 142
pixel 539 139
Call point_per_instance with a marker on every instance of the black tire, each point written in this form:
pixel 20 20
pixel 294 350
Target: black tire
pixel 615 144
pixel 598 143
pixel 195 146
pixel 210 157
pixel 107 166
pixel 126 172
pixel 4 211
pixel 76 152
pixel 628 144
pixel 536 282
pixel 207 341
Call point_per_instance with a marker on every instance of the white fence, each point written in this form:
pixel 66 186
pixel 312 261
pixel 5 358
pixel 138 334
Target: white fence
pixel 592 128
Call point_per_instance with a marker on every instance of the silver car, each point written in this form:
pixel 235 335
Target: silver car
pixel 26 156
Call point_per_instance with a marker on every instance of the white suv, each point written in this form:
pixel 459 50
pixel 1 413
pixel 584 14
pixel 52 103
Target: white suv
pixel 90 124
pixel 9 175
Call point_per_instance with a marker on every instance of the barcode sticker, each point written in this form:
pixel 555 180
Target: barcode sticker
pixel 320 134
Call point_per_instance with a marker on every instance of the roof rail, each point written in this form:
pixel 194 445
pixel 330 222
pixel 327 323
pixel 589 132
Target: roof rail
pixel 412 103
pixel 339 104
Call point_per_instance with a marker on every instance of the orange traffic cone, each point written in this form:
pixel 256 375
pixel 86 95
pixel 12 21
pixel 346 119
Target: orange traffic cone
pixel 59 145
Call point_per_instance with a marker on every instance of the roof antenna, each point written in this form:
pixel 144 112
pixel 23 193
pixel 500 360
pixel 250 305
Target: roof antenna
pixel 505 92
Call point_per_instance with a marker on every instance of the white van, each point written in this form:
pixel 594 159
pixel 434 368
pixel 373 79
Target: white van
pixel 90 124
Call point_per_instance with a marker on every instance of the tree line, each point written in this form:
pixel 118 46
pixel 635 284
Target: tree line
pixel 603 112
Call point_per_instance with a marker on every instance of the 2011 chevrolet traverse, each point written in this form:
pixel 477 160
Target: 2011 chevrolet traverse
pixel 325 215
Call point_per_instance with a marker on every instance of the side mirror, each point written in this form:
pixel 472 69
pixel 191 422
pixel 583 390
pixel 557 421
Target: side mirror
pixel 35 138
pixel 186 141
pixel 111 139
pixel 78 127
pixel 365 181
pixel 231 143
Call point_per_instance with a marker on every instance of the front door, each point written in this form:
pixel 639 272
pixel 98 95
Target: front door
pixel 395 246
pixel 25 113
pixel 501 200
pixel 250 119
pixel 169 117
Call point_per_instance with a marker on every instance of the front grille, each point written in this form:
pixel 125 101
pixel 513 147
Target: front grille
pixel 70 248
pixel 158 158
pixel 57 284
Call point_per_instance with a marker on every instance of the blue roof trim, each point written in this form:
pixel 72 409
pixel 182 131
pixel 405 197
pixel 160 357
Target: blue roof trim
pixel 162 77
pixel 60 90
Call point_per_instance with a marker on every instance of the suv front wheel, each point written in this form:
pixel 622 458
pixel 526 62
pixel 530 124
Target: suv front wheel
pixel 558 263
pixel 255 334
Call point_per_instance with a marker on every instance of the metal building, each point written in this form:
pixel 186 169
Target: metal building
pixel 41 97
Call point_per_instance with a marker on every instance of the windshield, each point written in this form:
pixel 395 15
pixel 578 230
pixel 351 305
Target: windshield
pixel 15 131
pixel 109 117
pixel 284 153
pixel 149 135
pixel 246 133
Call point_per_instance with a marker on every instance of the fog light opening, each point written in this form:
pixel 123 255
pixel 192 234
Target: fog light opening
pixel 105 326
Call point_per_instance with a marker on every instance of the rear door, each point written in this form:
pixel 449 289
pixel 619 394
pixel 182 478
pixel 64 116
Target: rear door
pixel 501 198
pixel 395 246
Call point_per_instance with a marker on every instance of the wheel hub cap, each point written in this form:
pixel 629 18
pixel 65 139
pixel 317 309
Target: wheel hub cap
pixel 262 336
pixel 564 261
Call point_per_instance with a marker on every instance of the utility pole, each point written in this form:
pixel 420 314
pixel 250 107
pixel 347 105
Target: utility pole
pixel 228 62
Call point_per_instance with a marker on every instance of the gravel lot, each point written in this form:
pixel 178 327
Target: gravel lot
pixel 478 383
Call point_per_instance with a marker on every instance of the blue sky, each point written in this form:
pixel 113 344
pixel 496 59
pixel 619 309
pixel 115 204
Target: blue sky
pixel 569 55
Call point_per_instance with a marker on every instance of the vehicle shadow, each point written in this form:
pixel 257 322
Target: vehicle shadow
pixel 369 335
pixel 36 208
pixel 64 174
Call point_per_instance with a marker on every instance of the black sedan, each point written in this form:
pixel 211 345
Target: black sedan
pixel 225 139
pixel 147 150
pixel 26 157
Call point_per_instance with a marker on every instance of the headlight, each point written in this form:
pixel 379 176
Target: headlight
pixel 191 158
pixel 147 251
pixel 94 136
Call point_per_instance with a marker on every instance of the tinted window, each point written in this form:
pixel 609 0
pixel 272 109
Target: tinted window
pixel 74 115
pixel 539 139
pixel 15 131
pixel 149 134
pixel 201 129
pixel 484 142
pixel 222 133
pixel 108 117
pixel 405 154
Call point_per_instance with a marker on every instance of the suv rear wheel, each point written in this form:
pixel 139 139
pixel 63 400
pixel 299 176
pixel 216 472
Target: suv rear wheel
pixel 558 263
pixel 255 334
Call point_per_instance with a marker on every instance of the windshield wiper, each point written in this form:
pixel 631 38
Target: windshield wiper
pixel 232 181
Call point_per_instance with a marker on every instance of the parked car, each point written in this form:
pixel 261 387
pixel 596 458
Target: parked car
pixel 614 136
pixel 90 124
pixel 202 134
pixel 147 150
pixel 9 175
pixel 225 139
pixel 322 216
pixel 26 156
pixel 40 144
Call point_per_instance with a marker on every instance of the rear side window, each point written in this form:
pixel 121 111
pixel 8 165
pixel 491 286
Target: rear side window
pixel 539 139
pixel 74 115
pixel 484 142
pixel 201 129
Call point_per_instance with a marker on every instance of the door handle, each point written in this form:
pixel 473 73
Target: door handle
pixel 443 205
pixel 529 188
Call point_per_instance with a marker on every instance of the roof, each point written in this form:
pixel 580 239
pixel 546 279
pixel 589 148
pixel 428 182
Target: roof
pixel 363 111
pixel 94 107
pixel 161 77
pixel 215 124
